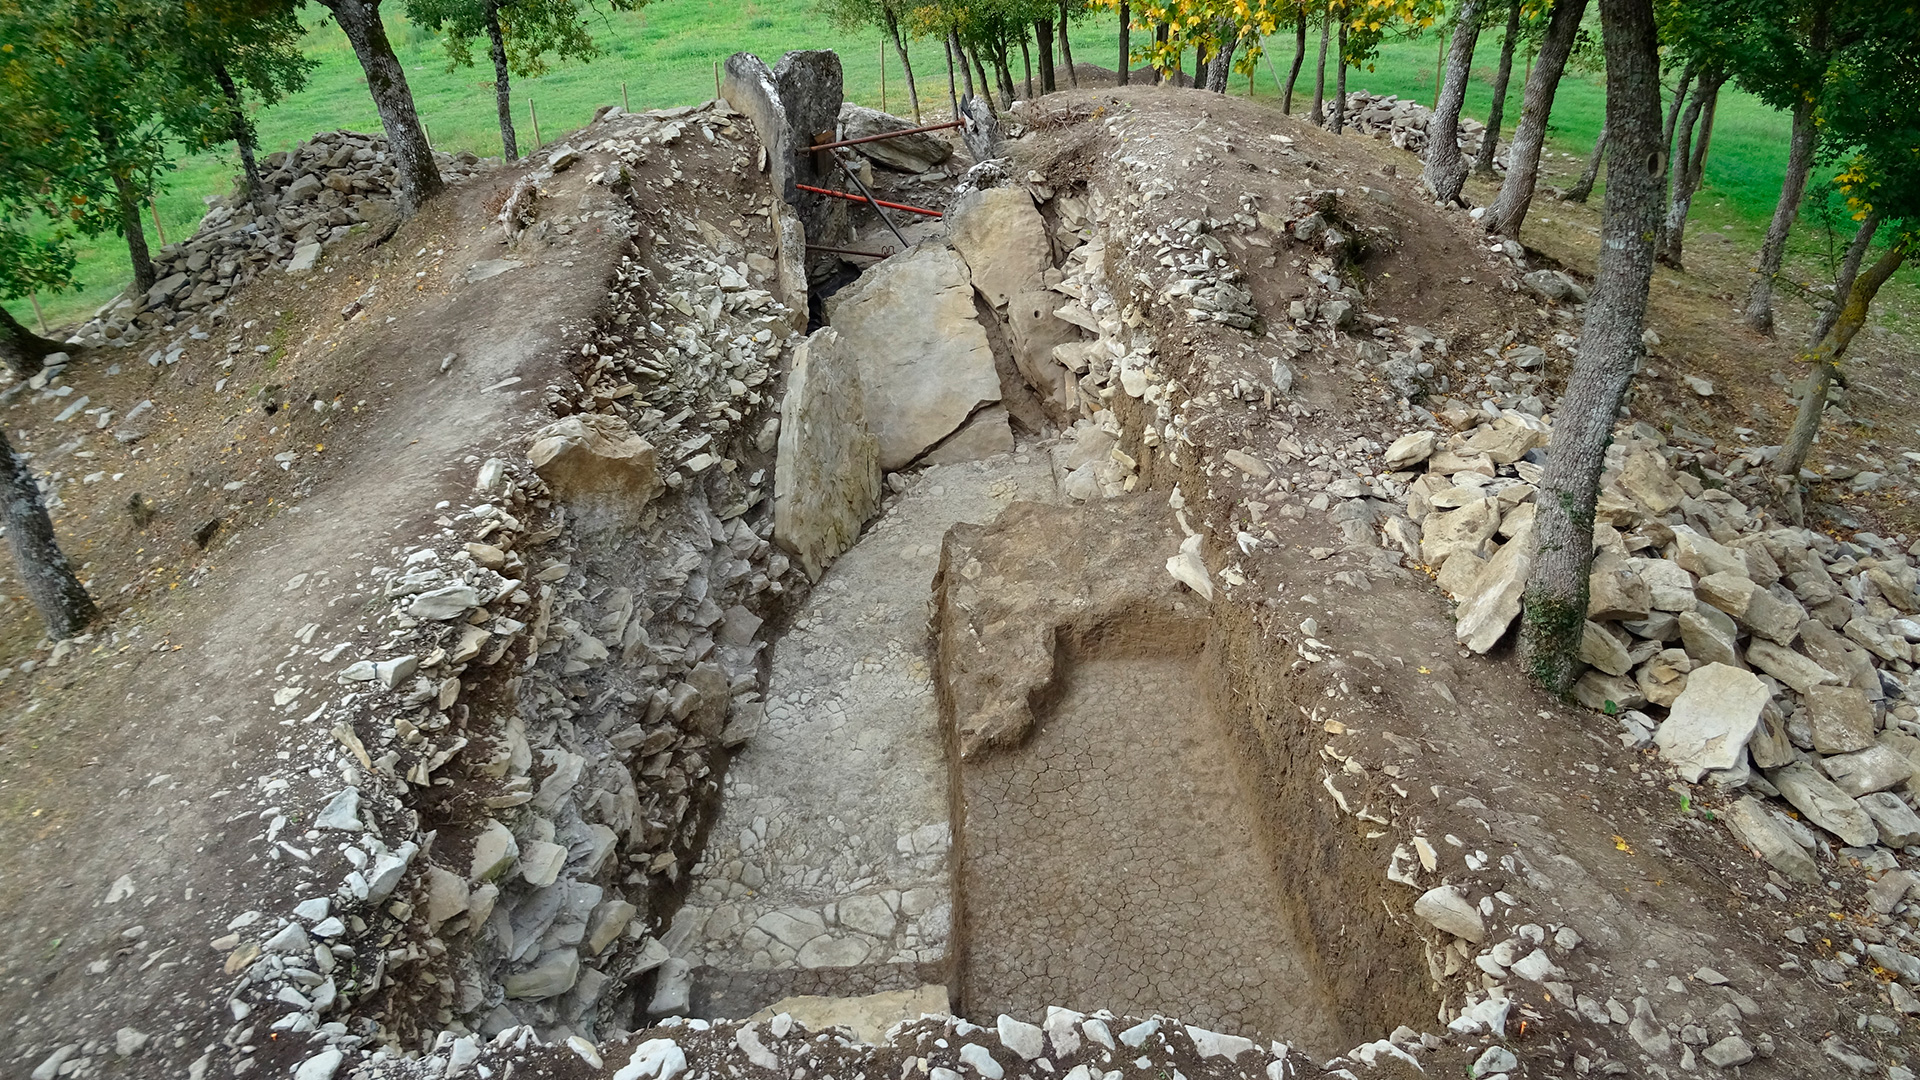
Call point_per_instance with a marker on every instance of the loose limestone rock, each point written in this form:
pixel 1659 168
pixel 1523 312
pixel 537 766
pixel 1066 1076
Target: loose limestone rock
pixel 1494 601
pixel 1447 910
pixel 1863 772
pixel 1749 820
pixel 826 478
pixel 596 462
pixel 924 361
pixel 1712 720
pixel 1841 718
pixel 1824 804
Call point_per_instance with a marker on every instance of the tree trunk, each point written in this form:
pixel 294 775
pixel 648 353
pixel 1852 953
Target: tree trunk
pixel 986 85
pixel 418 175
pixel 1319 116
pixel 1004 70
pixel 43 568
pixel 1679 101
pixel 906 65
pixel 1497 112
pixel 243 139
pixel 1220 67
pixel 1340 82
pixel 1843 278
pixel 1679 147
pixel 1160 36
pixel 1610 349
pixel 1584 186
pixel 143 273
pixel 1299 58
pixel 956 53
pixel 1773 251
pixel 1445 172
pixel 1066 50
pixel 1823 360
pixel 1026 59
pixel 1043 44
pixel 497 48
pixel 23 351
pixel 1126 49
pixel 1693 169
pixel 953 91
pixel 1200 60
pixel 1530 135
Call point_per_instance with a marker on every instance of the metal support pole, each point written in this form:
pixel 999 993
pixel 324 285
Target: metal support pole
pixel 854 175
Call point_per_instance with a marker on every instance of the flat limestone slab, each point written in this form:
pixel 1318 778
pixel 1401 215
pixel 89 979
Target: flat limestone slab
pixel 828 866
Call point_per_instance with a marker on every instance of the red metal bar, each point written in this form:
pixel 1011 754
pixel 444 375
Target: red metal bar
pixel 885 135
pixel 921 210
pixel 849 251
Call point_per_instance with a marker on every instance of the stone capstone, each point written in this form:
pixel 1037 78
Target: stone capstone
pixel 908 153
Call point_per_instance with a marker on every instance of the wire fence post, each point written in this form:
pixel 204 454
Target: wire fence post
pixel 34 298
pixel 427 130
pixel 534 116
pixel 883 76
pixel 624 107
pixel 716 80
pixel 153 208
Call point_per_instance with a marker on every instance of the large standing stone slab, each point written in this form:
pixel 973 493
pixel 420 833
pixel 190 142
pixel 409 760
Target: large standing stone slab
pixel 1712 720
pixel 924 361
pixel 1824 804
pixel 826 479
pixel 1000 235
pixel 748 87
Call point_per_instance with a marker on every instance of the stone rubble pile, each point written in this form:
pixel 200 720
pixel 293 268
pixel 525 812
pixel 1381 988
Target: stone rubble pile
pixel 583 642
pixel 1782 658
pixel 319 191
pixel 1403 122
pixel 859 1036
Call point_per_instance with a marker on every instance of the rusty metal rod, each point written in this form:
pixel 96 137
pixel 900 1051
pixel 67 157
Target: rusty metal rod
pixel 885 135
pixel 849 251
pixel 839 156
pixel 862 198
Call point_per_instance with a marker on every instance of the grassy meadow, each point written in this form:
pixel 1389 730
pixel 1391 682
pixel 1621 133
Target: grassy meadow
pixel 665 54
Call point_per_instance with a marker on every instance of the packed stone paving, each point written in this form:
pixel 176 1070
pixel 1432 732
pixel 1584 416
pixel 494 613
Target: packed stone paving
pixel 781 688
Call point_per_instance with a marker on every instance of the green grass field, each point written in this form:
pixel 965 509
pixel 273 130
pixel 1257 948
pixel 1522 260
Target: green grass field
pixel 665 55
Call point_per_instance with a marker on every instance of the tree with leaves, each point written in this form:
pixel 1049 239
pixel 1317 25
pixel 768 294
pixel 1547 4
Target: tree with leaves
pixel 519 33
pixel 81 83
pixel 419 176
pixel 1555 603
pixel 222 55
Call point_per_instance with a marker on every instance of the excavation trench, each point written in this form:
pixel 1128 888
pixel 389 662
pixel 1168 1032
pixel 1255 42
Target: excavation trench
pixel 1007 762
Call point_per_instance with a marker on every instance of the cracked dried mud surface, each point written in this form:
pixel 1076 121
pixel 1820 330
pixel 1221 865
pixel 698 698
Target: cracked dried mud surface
pixel 1115 861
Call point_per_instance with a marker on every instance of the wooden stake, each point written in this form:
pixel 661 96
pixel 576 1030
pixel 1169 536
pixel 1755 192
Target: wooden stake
pixel 154 208
pixel 716 80
pixel 37 314
pixel 883 76
pixel 427 130
pixel 534 116
pixel 1439 66
pixel 623 99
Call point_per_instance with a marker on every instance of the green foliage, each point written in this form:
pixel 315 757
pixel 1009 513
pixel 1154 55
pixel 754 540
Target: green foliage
pixel 531 30
pixel 254 45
